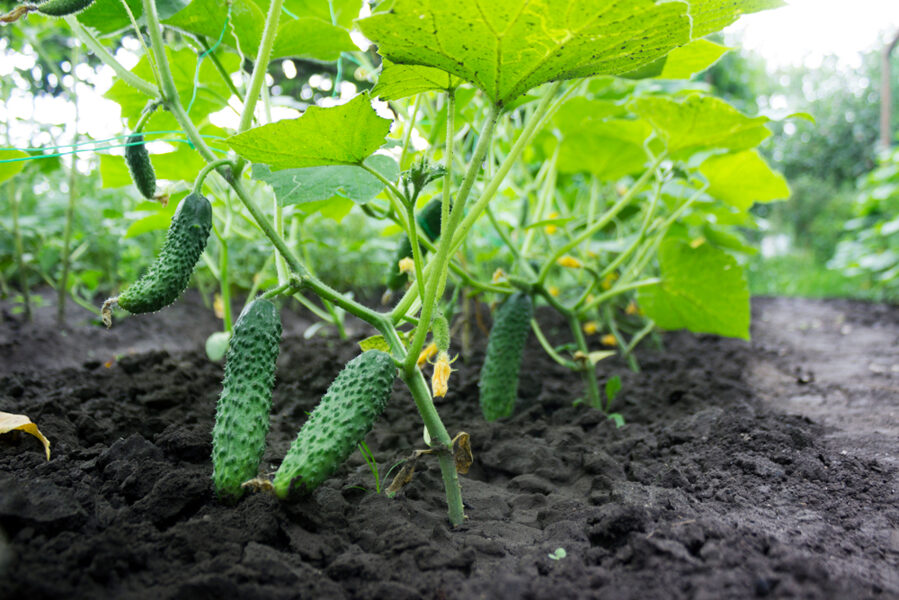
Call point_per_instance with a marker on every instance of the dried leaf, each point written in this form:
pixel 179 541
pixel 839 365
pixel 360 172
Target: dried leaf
pixel 10 422
pixel 462 452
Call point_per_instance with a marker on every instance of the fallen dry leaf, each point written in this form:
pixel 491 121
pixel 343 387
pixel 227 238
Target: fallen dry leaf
pixel 10 422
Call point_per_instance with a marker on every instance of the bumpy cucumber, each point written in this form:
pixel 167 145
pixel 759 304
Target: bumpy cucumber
pixel 242 414
pixel 341 420
pixel 169 275
pixel 430 221
pixel 138 160
pixel 61 8
pixel 499 375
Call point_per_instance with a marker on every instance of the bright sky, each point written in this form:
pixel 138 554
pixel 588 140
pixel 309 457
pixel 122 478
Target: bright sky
pixel 807 30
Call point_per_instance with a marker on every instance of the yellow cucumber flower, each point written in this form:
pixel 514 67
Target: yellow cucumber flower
pixel 440 378
pixel 570 262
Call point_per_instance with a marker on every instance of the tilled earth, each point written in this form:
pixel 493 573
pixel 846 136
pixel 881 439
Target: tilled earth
pixel 764 469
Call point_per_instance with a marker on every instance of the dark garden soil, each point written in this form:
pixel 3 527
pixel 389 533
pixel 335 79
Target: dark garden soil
pixel 764 469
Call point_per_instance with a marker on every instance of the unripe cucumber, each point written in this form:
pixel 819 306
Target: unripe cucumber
pixel 242 413
pixel 168 276
pixel 138 160
pixel 430 220
pixel 499 375
pixel 343 417
pixel 61 8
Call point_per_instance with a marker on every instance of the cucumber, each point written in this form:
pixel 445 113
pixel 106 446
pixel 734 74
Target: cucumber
pixel 138 160
pixel 499 375
pixel 343 417
pixel 61 8
pixel 168 276
pixel 430 220
pixel 242 413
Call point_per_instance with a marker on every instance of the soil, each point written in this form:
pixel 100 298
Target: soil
pixel 763 469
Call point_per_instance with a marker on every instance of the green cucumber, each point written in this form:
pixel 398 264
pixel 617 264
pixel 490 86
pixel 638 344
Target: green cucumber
pixel 429 220
pixel 242 413
pixel 499 375
pixel 61 8
pixel 168 276
pixel 343 417
pixel 138 160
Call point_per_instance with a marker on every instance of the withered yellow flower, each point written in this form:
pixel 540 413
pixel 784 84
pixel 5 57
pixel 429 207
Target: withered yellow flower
pixel 608 340
pixel 570 262
pixel 407 265
pixel 590 327
pixel 440 378
pixel 426 354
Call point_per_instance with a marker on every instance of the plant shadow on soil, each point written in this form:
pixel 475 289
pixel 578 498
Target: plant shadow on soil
pixel 711 490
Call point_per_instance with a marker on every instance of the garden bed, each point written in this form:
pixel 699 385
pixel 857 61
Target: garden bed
pixel 762 469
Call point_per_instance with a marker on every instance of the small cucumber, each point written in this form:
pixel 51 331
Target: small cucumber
pixel 168 276
pixel 61 8
pixel 430 220
pixel 343 417
pixel 242 413
pixel 499 375
pixel 138 160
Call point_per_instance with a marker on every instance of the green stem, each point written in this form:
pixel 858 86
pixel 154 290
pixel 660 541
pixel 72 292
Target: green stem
pixel 204 172
pixel 408 133
pixel 219 66
pixel 439 436
pixel 599 224
pixel 20 252
pixel 224 284
pixel 62 290
pixel 547 347
pixel 618 290
pixel 106 57
pixel 439 264
pixel 588 372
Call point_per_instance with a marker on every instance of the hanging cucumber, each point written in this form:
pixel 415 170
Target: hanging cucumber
pixel 343 417
pixel 429 219
pixel 138 160
pixel 62 8
pixel 168 276
pixel 242 413
pixel 499 375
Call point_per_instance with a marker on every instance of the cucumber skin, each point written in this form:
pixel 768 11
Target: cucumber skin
pixel 138 160
pixel 499 375
pixel 61 8
pixel 430 221
pixel 343 417
pixel 168 276
pixel 242 412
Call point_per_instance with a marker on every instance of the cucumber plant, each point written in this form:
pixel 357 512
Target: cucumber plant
pixel 491 131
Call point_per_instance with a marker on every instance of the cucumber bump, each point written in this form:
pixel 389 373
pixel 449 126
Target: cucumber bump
pixel 343 417
pixel 242 412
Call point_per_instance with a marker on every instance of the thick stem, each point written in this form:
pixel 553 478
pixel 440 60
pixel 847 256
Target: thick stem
pixel 437 278
pixel 547 347
pixel 440 438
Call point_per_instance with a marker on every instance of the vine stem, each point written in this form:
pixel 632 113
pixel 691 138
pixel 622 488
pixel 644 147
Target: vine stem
pixel 439 264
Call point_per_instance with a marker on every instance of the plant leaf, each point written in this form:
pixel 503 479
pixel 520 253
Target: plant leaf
pixel 375 342
pixel 340 135
pixel 8 170
pixel 703 289
pixel 507 47
pixel 10 422
pixel 698 122
pixel 312 38
pixel 312 184
pixel 401 81
pixel 743 178
pixel 608 149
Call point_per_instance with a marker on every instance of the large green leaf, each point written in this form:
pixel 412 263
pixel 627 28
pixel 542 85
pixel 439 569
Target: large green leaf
pixel 608 149
pixel 703 289
pixel 400 81
pixel 212 95
pixel 506 47
pixel 344 12
pixel 312 184
pixel 10 169
pixel 710 16
pixel 743 178
pixel 698 122
pixel 340 135
pixel 106 16
pixel 312 38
